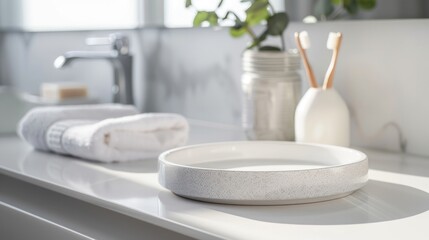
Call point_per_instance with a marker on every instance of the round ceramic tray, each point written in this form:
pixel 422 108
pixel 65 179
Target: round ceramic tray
pixel 262 172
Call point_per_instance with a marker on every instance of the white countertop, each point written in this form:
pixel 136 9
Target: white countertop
pixel 393 205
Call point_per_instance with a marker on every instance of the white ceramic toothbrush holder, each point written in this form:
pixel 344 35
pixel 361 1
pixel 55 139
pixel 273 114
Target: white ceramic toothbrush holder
pixel 322 117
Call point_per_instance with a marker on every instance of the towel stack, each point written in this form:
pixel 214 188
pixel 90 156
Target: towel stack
pixel 106 133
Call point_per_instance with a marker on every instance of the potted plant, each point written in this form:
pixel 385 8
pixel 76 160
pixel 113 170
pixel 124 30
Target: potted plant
pixel 270 81
pixel 258 12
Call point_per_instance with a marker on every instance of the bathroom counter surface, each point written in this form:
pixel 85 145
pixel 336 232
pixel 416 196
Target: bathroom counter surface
pixel 393 205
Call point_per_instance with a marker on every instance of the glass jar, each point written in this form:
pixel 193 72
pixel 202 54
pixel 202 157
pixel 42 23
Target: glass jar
pixel 272 88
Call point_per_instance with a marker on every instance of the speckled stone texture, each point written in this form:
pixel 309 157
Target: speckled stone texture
pixel 264 187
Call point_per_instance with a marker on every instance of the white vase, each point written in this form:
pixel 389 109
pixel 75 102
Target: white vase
pixel 322 117
pixel 272 88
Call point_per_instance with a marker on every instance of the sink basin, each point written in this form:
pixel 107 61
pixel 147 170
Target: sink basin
pixel 263 172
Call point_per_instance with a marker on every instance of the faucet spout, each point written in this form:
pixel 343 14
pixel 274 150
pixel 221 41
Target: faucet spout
pixel 120 60
pixel 68 57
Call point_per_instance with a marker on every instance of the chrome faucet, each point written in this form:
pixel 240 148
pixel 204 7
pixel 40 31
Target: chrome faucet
pixel 118 56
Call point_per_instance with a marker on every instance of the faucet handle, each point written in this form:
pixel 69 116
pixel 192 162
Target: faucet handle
pixel 117 41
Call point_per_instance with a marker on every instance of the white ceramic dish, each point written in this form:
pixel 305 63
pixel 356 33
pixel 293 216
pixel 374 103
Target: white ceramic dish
pixel 262 172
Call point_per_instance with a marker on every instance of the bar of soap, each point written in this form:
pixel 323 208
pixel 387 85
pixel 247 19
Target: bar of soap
pixel 63 91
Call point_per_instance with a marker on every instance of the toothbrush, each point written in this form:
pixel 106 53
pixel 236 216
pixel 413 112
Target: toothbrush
pixel 303 42
pixel 333 43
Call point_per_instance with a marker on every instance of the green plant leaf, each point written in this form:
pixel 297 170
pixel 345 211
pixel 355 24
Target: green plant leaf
pixel 258 41
pixel 257 6
pixel 257 12
pixel 277 23
pixel 263 36
pixel 323 8
pixel 337 2
pixel 213 19
pixel 255 18
pixel 367 4
pixel 237 31
pixel 351 6
pixel 270 48
pixel 204 16
pixel 200 17
pixel 188 3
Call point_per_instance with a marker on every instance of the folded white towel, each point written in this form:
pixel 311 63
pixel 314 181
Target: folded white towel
pixel 119 139
pixel 35 123
pixel 115 139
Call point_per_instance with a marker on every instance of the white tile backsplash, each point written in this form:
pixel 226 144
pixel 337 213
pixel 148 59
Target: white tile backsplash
pixel 381 73
pixel 195 72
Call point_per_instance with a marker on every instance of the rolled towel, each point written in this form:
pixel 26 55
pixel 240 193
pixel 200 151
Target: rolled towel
pixel 35 123
pixel 80 132
pixel 118 139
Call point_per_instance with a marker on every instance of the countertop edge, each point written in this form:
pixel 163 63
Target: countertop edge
pixel 161 222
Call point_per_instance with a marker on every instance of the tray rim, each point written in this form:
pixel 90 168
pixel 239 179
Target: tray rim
pixel 162 157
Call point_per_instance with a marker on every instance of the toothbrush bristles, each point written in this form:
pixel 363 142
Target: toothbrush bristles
pixel 304 39
pixel 334 43
pixel 332 40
